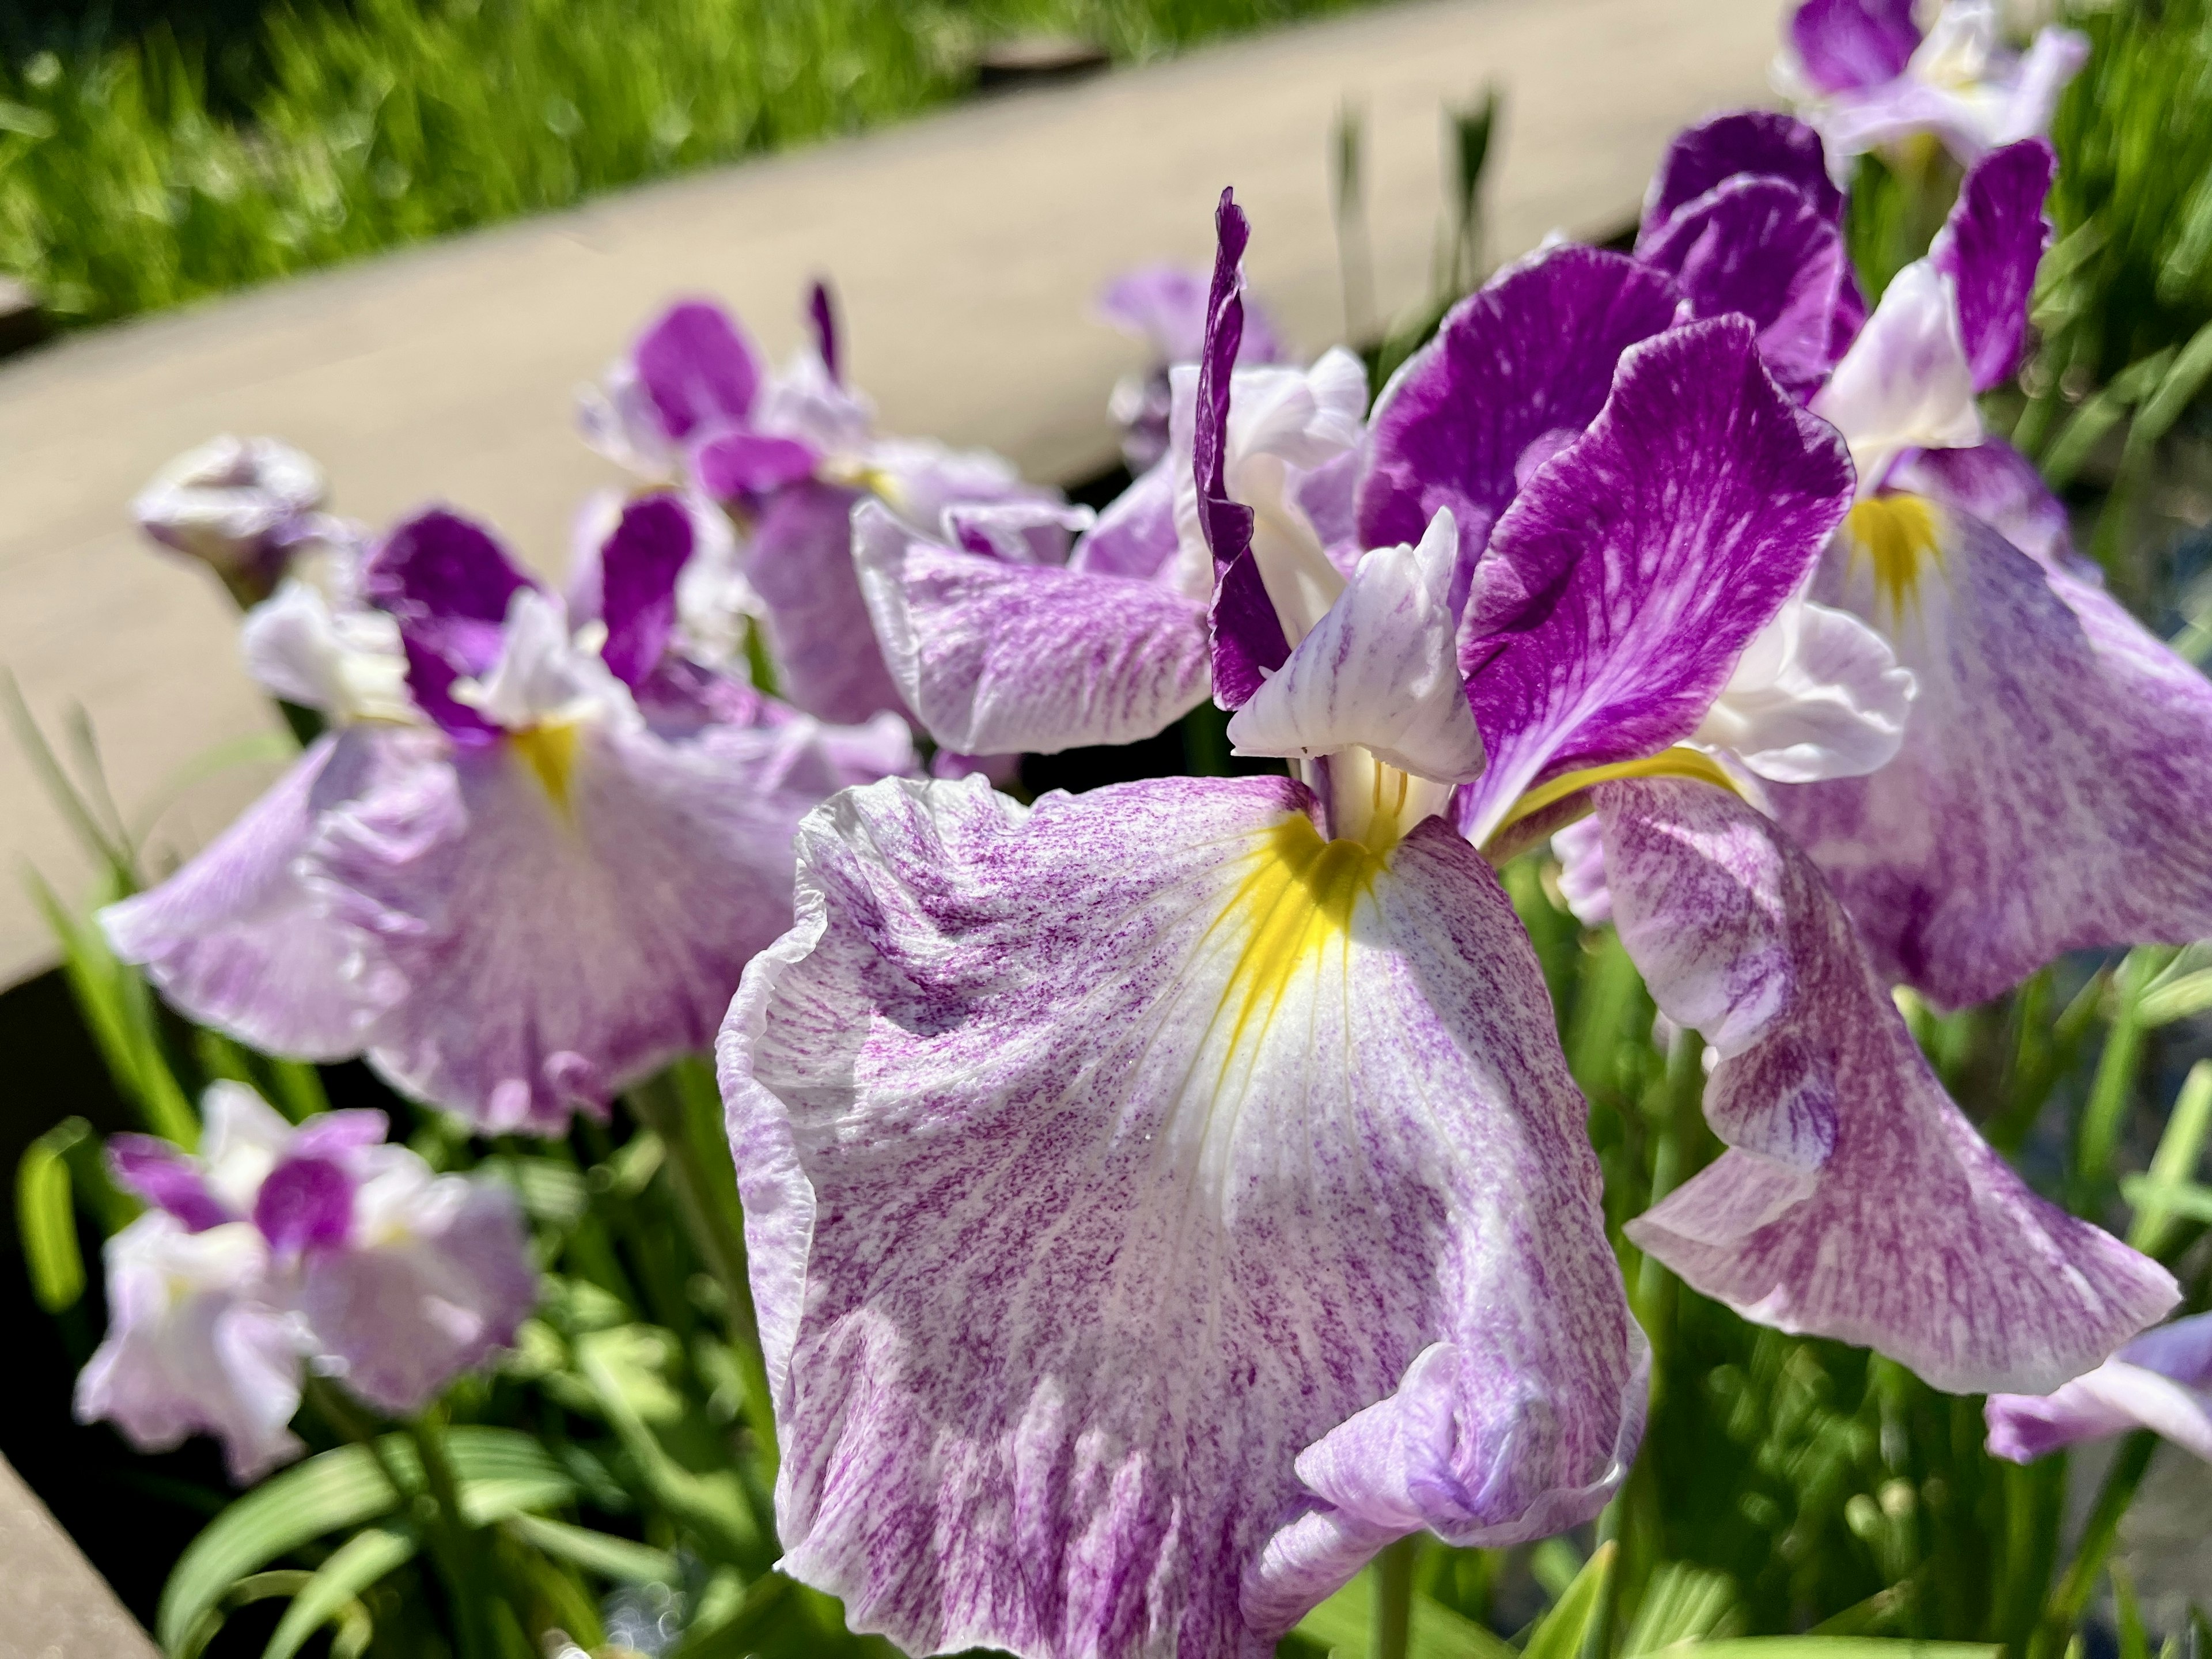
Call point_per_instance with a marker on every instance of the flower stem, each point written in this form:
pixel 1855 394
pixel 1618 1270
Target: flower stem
pixel 2065 1606
pixel 1394 1599
pixel 682 1108
pixel 453 1544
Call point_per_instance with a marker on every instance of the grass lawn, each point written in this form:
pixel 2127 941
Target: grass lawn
pixel 140 171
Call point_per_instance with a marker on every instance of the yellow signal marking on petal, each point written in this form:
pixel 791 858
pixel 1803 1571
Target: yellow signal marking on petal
pixel 550 750
pixel 1895 533
pixel 1676 763
pixel 1297 899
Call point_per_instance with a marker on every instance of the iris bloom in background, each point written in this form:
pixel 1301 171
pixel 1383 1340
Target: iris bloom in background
pixel 243 507
pixel 2054 789
pixel 784 457
pixel 1164 307
pixel 285 1246
pixel 1867 76
pixel 2161 1381
pixel 524 868
pixel 1160 1199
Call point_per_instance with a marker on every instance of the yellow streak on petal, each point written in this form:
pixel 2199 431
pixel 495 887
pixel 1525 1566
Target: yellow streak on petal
pixel 1894 534
pixel 1297 899
pixel 1676 763
pixel 550 750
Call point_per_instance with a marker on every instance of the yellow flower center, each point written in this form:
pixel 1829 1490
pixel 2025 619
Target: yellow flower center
pixel 1896 536
pixel 1298 901
pixel 549 750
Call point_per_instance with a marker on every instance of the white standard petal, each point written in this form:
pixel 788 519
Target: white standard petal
pixel 1906 383
pixel 345 660
pixel 543 678
pixel 1817 694
pixel 1380 671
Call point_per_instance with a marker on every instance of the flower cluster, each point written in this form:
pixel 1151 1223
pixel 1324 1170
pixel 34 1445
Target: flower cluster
pixel 287 1248
pixel 1160 1200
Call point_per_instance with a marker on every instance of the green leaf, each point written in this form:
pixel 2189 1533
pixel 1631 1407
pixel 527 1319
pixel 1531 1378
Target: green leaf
pixel 330 1491
pixel 1564 1629
pixel 2098 415
pixel 2176 390
pixel 1843 1647
pixel 2179 1149
pixel 1344 1623
pixel 502 1472
pixel 2186 1200
pixel 2177 999
pixel 352 1567
pixel 45 1218
pixel 1683 1604
pixel 618 1558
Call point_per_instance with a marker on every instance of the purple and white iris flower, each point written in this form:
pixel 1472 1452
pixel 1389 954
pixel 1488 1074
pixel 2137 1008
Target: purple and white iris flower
pixel 526 865
pixel 996 653
pixel 1164 307
pixel 1161 1199
pixel 283 1247
pixel 784 456
pixel 243 507
pixel 2162 1381
pixel 1865 73
pixel 2054 788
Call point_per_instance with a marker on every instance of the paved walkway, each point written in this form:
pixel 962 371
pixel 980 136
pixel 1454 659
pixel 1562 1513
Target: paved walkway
pixel 53 1604
pixel 966 247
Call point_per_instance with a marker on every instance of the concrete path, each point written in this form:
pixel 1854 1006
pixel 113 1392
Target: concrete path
pixel 53 1604
pixel 966 247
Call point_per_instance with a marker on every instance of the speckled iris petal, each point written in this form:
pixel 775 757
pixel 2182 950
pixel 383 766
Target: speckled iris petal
pixel 2054 790
pixel 235 940
pixel 448 583
pixel 1748 142
pixel 1516 371
pixel 799 562
pixel 1844 45
pixel 996 658
pixel 557 943
pixel 1760 246
pixel 1247 635
pixel 1994 482
pixel 1990 246
pixel 1856 1202
pixel 1629 575
pixel 1075 1250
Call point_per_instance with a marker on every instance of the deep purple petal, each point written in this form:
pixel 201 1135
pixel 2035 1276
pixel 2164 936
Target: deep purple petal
pixel 305 1203
pixel 1529 360
pixel 1757 143
pixel 1622 585
pixel 1067 1351
pixel 799 562
pixel 638 568
pixel 161 1172
pixel 821 317
pixel 1990 246
pixel 235 940
pixel 1760 248
pixel 439 567
pixel 2054 790
pixel 1856 1201
pixel 1847 44
pixel 698 369
pixel 734 466
pixel 999 658
pixel 1247 635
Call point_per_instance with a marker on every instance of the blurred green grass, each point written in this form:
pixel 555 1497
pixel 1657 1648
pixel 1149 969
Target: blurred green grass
pixel 140 172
